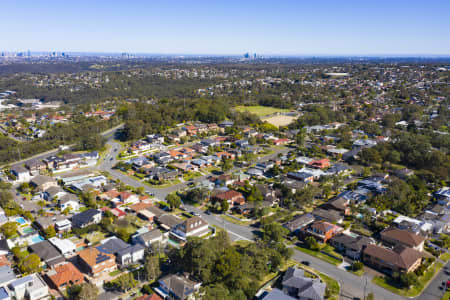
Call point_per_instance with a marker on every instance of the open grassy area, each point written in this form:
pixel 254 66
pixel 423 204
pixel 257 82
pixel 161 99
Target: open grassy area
pixel 319 255
pixel 445 256
pixel 414 291
pixel 260 111
pixel 94 237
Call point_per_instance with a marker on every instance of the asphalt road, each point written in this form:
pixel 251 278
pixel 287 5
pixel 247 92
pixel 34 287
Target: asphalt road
pixel 435 290
pixel 352 287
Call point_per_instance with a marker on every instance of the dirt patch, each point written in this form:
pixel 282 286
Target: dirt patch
pixel 279 120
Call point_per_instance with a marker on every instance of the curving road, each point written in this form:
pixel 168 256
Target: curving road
pixel 352 287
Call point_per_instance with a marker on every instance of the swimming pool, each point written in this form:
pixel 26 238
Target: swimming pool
pixel 21 221
pixel 36 239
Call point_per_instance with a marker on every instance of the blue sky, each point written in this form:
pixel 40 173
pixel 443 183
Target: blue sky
pixel 347 27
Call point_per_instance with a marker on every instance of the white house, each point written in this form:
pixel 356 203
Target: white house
pixel 69 201
pixel 30 287
pixel 21 174
pixel 65 246
pixel 63 225
pixel 194 226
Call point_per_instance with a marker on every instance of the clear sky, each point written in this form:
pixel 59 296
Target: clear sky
pixel 297 27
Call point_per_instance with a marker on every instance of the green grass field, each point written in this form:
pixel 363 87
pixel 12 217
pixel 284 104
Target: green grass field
pixel 260 111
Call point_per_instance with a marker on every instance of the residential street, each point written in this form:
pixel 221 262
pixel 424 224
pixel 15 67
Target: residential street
pixel 352 287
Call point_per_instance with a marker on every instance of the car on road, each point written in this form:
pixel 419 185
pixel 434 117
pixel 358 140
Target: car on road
pixel 111 159
pixel 306 263
pixel 207 212
pixel 196 214
pixel 115 150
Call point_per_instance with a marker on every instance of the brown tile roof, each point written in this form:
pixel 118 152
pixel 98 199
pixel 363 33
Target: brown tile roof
pixel 4 261
pixel 403 236
pixel 140 206
pixel 400 256
pixel 228 195
pixel 324 226
pixel 112 194
pixel 194 223
pixel 65 273
pixel 89 255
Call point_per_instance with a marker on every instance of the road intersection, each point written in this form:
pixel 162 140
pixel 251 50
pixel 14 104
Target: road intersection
pixel 352 286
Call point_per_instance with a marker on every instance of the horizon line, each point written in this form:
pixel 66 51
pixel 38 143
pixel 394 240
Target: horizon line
pixel 260 55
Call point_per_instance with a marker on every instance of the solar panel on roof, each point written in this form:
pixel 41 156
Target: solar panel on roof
pixel 101 258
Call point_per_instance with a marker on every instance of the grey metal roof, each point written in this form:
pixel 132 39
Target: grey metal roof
pixel 6 274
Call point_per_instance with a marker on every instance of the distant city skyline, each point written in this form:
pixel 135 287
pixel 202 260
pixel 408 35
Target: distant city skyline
pixel 284 28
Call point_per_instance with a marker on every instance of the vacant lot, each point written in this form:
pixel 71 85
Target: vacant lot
pixel 279 120
pixel 260 111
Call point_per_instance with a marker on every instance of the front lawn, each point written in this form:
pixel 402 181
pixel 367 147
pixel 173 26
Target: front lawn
pixel 319 255
pixel 114 273
pixel 94 237
pixel 387 283
pixel 445 256
pixel 191 175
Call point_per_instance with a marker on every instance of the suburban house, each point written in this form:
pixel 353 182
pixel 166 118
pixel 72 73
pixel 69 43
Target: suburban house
pixel 399 259
pixel 178 287
pixel 232 197
pixel 94 262
pixel 329 215
pixel 42 182
pixel 6 275
pixel 31 287
pixel 86 218
pixel 47 253
pixel 54 192
pixel 127 197
pixel 35 166
pixel 340 204
pixel 301 176
pixel 194 226
pixel 276 294
pixel 65 246
pixel 65 275
pixel 320 164
pixel 297 285
pixel 168 221
pixel 63 225
pixel 321 231
pixel 351 245
pixel 68 201
pixel 148 238
pixel 393 236
pixel 125 253
pixel 21 173
pixel 298 222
